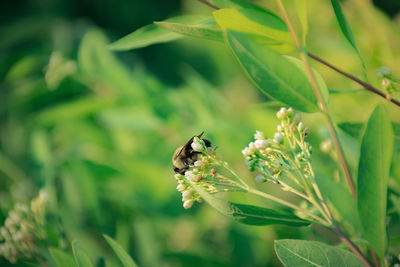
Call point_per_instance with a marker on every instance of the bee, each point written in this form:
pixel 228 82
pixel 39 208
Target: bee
pixel 185 156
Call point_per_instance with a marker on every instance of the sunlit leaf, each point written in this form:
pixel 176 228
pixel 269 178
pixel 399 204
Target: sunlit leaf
pixel 275 75
pixel 202 31
pixel 124 257
pixel 373 171
pixel 263 24
pixel 154 34
pixel 302 253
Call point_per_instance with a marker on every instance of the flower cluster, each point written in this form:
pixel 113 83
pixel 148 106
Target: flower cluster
pixel 285 155
pixel 22 229
pixel 204 175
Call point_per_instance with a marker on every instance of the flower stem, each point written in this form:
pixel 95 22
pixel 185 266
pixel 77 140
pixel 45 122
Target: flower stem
pixel 353 247
pixel 321 103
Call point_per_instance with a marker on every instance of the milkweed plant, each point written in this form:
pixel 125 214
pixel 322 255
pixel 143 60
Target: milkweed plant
pixel 358 202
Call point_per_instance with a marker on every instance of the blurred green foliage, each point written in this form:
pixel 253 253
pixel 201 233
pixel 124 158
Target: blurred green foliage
pixel 97 129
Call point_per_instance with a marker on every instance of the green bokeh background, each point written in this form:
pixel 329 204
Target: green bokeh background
pixel 97 129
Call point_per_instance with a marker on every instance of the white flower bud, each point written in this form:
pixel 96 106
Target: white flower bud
pixel 260 179
pixel 246 152
pixel 385 83
pixel 186 194
pixel 180 187
pixel 281 113
pixel 290 111
pixel 261 144
pixel 196 145
pixel 278 138
pixel 300 127
pixel 198 164
pixel 279 128
pixel 190 176
pixel 252 147
pixel 326 146
pixel 188 204
pixel 259 135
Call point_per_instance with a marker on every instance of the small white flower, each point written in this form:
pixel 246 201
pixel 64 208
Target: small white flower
pixel 186 194
pixel 180 187
pixel 252 147
pixel 190 176
pixel 385 83
pixel 326 146
pixel 198 163
pixel 260 179
pixel 261 144
pixel 278 137
pixel 279 128
pixel 300 127
pixel 188 204
pixel 259 135
pixel 196 145
pixel 246 151
pixel 281 113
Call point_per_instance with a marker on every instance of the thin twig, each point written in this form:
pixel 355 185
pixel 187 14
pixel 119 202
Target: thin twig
pixel 208 4
pixel 321 103
pixel 353 247
pixel 374 257
pixel 351 77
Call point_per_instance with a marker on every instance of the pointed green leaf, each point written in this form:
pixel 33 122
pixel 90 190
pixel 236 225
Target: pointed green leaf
pixel 302 253
pixel 275 75
pixel 154 34
pixel 248 214
pixel 62 259
pixel 81 258
pixel 345 27
pixel 123 256
pixel 262 24
pixel 373 171
pixel 237 4
pixel 207 30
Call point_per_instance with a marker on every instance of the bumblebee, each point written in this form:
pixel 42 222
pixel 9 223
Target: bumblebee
pixel 185 156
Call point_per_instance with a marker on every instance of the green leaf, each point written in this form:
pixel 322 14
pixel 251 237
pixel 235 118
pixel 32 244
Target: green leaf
pixel 62 259
pixel 339 200
pixel 207 30
pixel 81 258
pixel 155 34
pixel 275 75
pixel 263 24
pixel 345 27
pixel 302 253
pixel 124 257
pixel 301 8
pixel 248 214
pixel 237 4
pixel 354 129
pixel 373 171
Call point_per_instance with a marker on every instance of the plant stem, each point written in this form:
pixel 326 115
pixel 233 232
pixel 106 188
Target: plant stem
pixel 321 103
pixel 208 4
pixel 353 247
pixel 287 204
pixel 351 77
